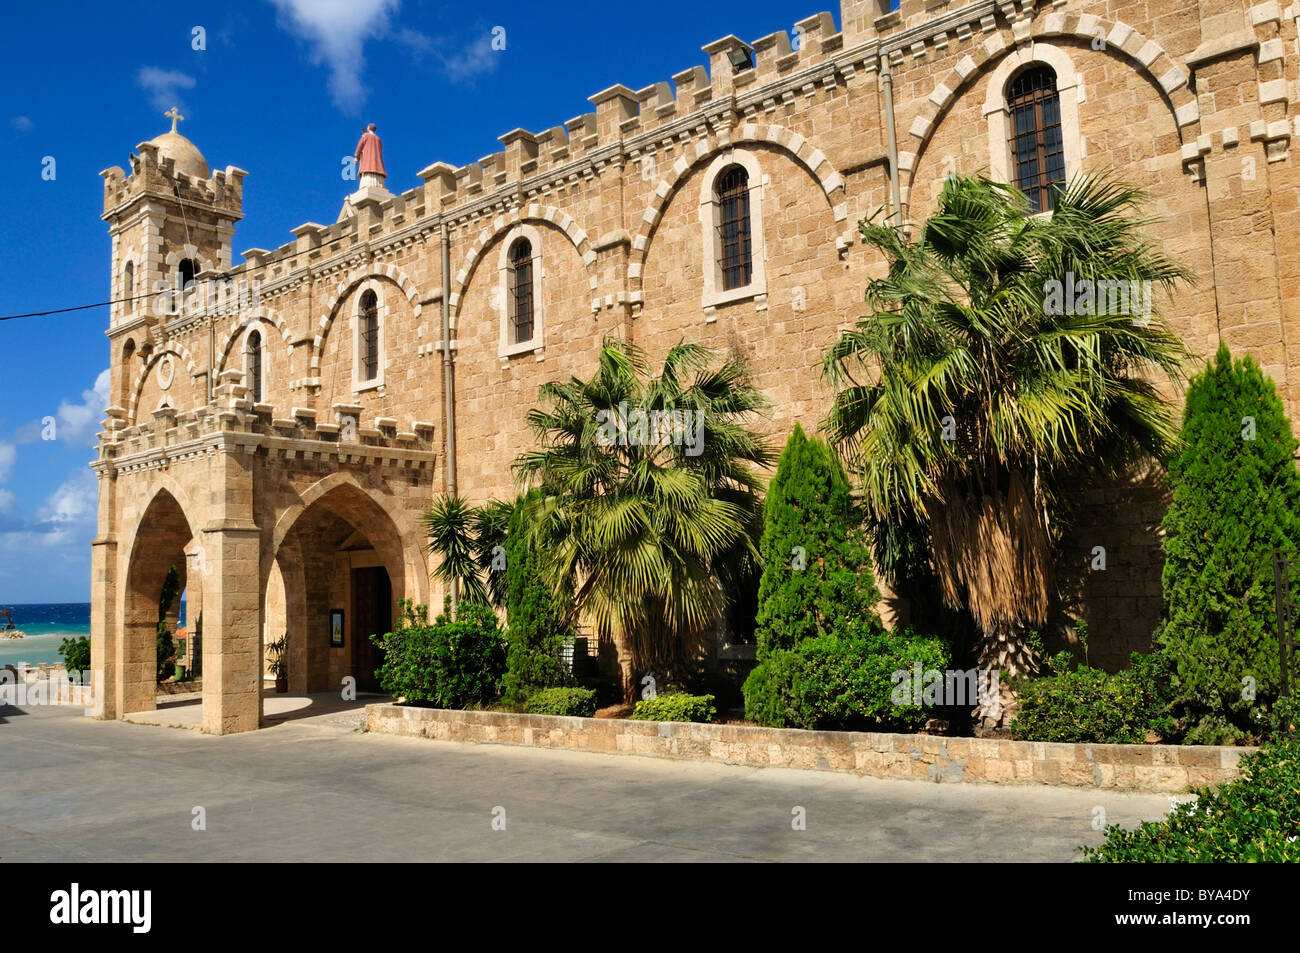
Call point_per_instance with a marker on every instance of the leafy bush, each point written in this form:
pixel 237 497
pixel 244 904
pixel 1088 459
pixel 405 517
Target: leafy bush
pixel 842 682
pixel 1236 499
pixel 449 664
pixel 1255 818
pixel 817 571
pixel 76 653
pixel 675 706
pixel 1090 705
pixel 580 702
pixel 535 625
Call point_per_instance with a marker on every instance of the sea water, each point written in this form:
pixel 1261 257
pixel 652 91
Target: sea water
pixel 46 625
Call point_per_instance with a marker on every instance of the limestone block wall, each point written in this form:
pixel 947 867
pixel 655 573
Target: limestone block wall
pixel 1190 102
pixel 1172 768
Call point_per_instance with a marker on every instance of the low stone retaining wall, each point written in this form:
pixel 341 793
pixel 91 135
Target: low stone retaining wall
pixel 1170 768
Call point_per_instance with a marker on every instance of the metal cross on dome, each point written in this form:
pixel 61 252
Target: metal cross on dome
pixel 174 114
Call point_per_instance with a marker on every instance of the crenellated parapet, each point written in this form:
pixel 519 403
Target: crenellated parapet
pixel 154 174
pixel 341 434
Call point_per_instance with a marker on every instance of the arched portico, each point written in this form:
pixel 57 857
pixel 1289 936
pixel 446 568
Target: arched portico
pixel 340 550
pixel 161 539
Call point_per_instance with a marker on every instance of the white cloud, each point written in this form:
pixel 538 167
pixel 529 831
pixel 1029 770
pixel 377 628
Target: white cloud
pixel 76 501
pixel 79 423
pixel 471 60
pixel 6 501
pixel 74 422
pixel 22 124
pixel 7 454
pixel 336 32
pixel 164 86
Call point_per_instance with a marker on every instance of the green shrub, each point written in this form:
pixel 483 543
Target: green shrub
pixel 76 653
pixel 842 682
pixel 579 702
pixel 1236 499
pixel 1255 818
pixel 817 571
pixel 770 697
pixel 447 664
pixel 535 625
pixel 1090 705
pixel 675 706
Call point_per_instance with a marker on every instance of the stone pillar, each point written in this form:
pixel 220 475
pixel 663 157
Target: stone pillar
pixel 104 634
pixel 232 636
pixel 136 659
pixel 1236 155
pixel 195 570
pixel 105 631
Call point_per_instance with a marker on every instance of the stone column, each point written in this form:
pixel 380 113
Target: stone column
pixel 105 632
pixel 1240 144
pixel 232 636
pixel 195 570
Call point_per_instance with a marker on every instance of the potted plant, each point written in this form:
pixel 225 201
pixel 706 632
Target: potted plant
pixel 276 652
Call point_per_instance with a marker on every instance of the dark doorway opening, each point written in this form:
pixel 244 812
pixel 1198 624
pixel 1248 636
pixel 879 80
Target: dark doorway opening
pixel 372 613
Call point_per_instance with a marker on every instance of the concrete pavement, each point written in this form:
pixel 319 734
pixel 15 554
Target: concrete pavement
pixel 318 789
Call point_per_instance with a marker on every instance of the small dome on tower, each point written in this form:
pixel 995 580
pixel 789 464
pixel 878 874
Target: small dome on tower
pixel 185 154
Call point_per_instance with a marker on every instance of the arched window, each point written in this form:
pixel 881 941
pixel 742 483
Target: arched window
pixel 736 258
pixel 1037 150
pixel 128 287
pixel 368 338
pixel 188 270
pixel 253 364
pixel 519 279
pixel 126 380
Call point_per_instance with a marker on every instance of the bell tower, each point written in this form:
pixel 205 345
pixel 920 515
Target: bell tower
pixel 172 222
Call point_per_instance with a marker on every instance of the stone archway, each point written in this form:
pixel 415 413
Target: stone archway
pixel 343 551
pixel 161 540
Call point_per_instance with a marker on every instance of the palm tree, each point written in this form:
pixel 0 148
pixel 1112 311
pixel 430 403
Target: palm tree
pixel 649 504
pixel 985 384
pixel 469 542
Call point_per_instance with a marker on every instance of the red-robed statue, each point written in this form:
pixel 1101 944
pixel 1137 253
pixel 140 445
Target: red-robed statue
pixel 370 159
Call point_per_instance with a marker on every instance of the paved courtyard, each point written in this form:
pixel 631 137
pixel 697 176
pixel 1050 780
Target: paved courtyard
pixel 315 788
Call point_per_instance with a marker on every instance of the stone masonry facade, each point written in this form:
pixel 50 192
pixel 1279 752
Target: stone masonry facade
pixel 276 503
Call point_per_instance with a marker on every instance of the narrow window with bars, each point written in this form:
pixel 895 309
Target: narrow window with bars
pixel 369 336
pixel 520 289
pixel 1037 149
pixel 128 287
pixel 253 355
pixel 735 246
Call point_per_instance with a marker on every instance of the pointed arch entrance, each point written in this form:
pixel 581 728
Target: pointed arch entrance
pixel 340 552
pixel 162 540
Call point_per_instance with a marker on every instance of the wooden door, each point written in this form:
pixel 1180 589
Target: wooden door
pixel 372 612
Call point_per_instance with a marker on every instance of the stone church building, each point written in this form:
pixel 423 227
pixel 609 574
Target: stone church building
pixel 276 430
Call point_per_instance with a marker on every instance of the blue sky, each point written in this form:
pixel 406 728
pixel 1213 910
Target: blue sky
pixel 281 89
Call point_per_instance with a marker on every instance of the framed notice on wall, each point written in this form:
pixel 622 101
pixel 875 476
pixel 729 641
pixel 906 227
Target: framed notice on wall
pixel 336 628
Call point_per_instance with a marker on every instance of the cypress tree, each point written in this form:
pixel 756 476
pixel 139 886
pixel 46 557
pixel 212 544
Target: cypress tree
pixel 536 630
pixel 817 571
pixel 1236 499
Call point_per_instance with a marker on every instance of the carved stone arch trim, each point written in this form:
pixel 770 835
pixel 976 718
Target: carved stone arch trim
pixel 175 349
pixel 191 252
pixel 354 279
pixel 165 483
pixel 502 224
pixel 795 145
pixel 409 541
pixel 1152 60
pixel 239 328
pixel 1070 93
